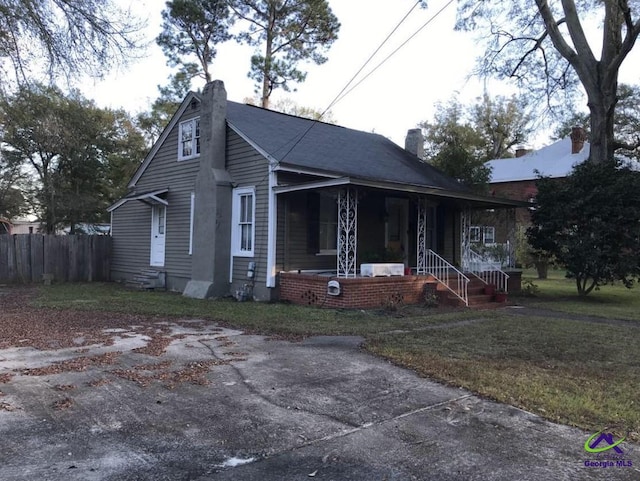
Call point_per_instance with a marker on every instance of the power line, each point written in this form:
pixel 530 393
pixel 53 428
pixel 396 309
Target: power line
pixel 393 53
pixel 338 96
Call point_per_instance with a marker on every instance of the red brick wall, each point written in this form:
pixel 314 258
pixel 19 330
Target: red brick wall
pixel 359 292
pixel 522 190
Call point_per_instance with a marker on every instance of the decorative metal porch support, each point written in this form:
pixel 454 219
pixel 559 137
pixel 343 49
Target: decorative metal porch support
pixel 347 231
pixel 422 237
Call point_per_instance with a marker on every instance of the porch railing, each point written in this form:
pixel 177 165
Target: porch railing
pixel 487 271
pixel 448 275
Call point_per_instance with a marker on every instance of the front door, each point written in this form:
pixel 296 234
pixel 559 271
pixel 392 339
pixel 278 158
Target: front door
pixel 397 225
pixel 158 232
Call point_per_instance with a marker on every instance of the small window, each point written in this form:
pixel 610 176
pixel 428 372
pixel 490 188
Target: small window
pixel 161 219
pixel 474 234
pixel 243 221
pixel 189 139
pixel 489 235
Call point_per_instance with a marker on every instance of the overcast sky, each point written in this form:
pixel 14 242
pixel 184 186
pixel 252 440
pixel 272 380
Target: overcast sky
pixel 434 66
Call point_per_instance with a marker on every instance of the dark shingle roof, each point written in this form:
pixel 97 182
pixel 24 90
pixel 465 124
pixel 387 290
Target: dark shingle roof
pixel 303 143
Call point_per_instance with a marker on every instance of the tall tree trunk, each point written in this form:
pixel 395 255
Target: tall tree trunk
pixel 49 198
pixel 598 77
pixel 268 54
pixel 602 109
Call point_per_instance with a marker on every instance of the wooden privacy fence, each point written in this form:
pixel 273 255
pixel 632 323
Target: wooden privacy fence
pixel 25 258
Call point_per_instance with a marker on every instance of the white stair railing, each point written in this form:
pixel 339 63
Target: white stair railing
pixel 487 271
pixel 448 275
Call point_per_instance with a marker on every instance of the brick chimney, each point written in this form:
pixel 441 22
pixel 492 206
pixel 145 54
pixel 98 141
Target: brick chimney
pixel 521 150
pixel 211 251
pixel 578 136
pixel 414 143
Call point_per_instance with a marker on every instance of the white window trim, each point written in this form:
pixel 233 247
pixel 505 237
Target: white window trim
pixel 193 202
pixel 235 216
pixel 484 236
pixel 193 140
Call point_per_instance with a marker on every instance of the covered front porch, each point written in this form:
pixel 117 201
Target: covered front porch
pixel 365 246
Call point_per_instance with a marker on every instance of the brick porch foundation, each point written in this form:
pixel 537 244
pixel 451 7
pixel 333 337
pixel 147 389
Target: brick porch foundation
pixel 358 292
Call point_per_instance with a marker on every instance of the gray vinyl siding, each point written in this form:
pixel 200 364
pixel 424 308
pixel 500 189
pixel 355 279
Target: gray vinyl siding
pixel 457 238
pixel 450 252
pixel 132 221
pixel 248 168
pixel 131 237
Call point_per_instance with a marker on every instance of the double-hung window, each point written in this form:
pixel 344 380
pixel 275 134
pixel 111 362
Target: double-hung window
pixel 189 139
pixel 489 234
pixel 243 216
pixel 475 234
pixel 482 234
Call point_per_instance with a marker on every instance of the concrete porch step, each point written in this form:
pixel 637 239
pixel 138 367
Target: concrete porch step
pixel 151 273
pixel 475 294
pixel 138 285
pixel 147 279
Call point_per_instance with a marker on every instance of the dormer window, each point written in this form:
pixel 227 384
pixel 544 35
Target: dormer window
pixel 189 139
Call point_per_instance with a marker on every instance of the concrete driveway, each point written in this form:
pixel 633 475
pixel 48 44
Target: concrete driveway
pixel 209 403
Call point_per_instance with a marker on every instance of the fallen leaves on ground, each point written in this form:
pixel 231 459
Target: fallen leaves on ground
pixel 76 364
pixel 65 387
pixel 63 403
pixel 6 407
pixel 23 326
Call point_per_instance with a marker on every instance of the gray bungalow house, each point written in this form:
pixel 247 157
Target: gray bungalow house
pixel 238 200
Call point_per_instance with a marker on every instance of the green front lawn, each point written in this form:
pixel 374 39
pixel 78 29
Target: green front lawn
pixel 266 318
pixel 580 374
pixel 559 293
pixel 575 372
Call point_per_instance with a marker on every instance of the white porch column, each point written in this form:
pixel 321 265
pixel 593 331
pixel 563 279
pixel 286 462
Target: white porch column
pixel 273 228
pixel 422 236
pixel 347 231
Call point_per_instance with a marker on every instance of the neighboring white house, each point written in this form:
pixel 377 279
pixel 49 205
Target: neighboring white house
pixel 515 178
pixel 25 226
pixel 555 160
